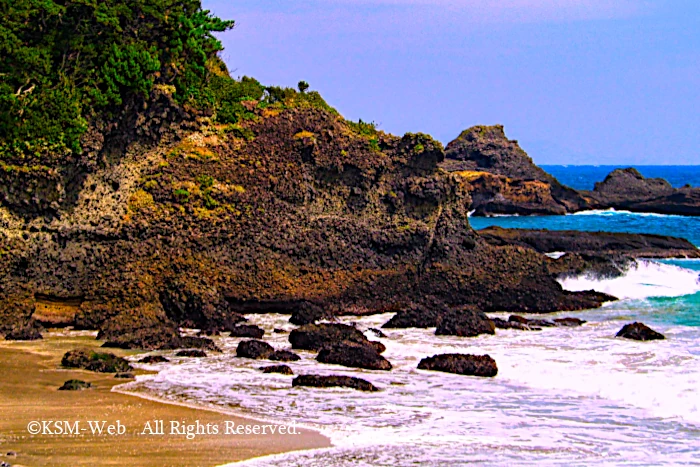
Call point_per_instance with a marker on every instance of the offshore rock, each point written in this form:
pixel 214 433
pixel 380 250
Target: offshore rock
pixel 254 349
pixel 355 355
pixel 462 364
pixel 639 332
pixel 315 336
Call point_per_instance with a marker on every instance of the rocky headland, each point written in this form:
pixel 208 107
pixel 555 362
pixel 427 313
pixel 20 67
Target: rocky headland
pixel 503 180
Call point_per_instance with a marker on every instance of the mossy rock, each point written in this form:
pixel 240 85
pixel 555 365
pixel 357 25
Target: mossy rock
pixel 90 360
pixel 75 385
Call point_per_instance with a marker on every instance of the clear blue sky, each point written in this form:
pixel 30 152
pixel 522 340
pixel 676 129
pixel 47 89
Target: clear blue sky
pixel 575 81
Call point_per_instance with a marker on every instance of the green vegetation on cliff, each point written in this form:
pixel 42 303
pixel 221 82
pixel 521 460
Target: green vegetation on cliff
pixel 65 63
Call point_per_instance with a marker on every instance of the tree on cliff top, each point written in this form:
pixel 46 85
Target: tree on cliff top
pixel 67 61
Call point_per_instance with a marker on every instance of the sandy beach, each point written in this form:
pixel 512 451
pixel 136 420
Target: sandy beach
pixel 31 375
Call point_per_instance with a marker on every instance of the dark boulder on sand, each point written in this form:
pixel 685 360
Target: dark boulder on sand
pixel 639 332
pixel 315 336
pixel 354 355
pixel 90 360
pixel 195 353
pixel 247 330
pixel 462 364
pixel 318 381
pixel 464 323
pixel 254 349
pixel 75 385
pixel 281 369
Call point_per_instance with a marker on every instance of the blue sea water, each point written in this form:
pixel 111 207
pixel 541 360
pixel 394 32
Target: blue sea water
pixel 583 177
pixel 683 310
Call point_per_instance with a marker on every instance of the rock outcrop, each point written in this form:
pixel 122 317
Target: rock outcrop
pixel 606 244
pixel 333 381
pixel 254 349
pixel 639 332
pixel 503 178
pixel 464 323
pixel 461 364
pixel 90 360
pixel 192 353
pixel 352 354
pixel 628 189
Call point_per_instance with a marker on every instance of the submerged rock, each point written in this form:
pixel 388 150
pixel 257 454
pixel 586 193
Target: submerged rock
pixel 503 324
pixel 355 355
pixel 464 323
pixel 284 356
pixel 247 330
pixel 75 385
pixel 318 381
pixel 90 360
pixel 281 369
pixel 153 359
pixel 124 375
pixel 639 332
pixel 462 364
pixel 569 322
pixel 196 353
pixel 254 349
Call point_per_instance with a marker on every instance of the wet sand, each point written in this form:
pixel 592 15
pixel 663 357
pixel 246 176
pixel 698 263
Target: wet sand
pixel 30 375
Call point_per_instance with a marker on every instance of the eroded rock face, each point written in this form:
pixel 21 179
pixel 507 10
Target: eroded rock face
pixel 461 364
pixel 464 323
pixel 520 186
pixel 318 381
pixel 639 332
pixel 90 360
pixel 355 355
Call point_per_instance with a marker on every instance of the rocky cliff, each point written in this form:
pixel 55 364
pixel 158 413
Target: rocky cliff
pixel 185 222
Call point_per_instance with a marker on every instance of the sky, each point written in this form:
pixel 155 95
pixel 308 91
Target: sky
pixel 574 81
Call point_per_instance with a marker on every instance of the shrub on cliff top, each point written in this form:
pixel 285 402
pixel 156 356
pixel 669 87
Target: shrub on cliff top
pixel 64 62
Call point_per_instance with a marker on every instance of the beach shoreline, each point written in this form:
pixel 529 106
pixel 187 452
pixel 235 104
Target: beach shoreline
pixel 29 393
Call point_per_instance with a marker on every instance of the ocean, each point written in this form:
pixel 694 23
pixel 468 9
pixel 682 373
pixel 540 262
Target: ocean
pixel 574 396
